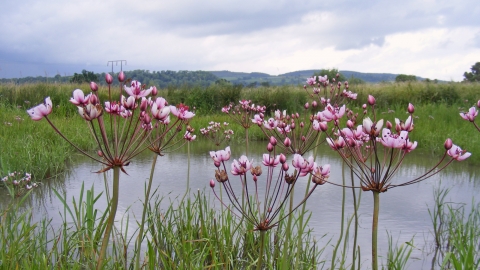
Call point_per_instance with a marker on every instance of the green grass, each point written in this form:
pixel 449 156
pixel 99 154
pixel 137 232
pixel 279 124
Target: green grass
pixel 34 147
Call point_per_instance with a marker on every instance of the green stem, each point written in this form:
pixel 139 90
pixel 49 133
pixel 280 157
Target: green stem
pixel 262 246
pixel 341 222
pixel 287 242
pixel 144 213
pixel 111 216
pixel 302 213
pixel 246 142
pixel 376 208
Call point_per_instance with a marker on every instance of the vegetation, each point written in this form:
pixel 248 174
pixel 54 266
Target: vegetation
pixel 180 235
pixel 406 78
pixel 473 76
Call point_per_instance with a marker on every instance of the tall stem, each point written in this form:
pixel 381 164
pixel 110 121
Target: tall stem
pixel 111 217
pixel 246 142
pixel 145 205
pixel 262 247
pixel 376 208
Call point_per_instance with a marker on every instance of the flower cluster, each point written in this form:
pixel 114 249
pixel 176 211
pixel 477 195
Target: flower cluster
pixel 18 183
pixel 243 112
pixel 296 134
pixel 375 153
pixel 217 133
pixel 136 122
pixel 325 92
pixel 278 182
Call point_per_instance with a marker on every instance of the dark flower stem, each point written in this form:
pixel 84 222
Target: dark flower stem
pixel 111 216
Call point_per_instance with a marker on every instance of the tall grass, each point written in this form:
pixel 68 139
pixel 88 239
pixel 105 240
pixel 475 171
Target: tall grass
pixel 30 146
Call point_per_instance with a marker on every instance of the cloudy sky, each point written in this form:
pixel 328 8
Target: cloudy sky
pixel 429 38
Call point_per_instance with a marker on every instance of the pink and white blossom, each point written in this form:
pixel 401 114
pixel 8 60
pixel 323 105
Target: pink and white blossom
pixel 40 111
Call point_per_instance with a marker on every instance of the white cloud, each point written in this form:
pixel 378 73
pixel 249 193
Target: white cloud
pixel 436 39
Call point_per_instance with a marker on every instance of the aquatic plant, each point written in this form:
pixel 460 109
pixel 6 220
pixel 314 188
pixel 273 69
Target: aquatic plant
pixel 375 153
pixel 126 133
pixel 265 211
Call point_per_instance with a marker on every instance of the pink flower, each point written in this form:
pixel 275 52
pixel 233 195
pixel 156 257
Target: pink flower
pixel 257 119
pixel 241 166
pixel 270 161
pixel 303 166
pixel 90 111
pixel 79 98
pixel 188 136
pixel 160 113
pixel 457 153
pixel 336 144
pixel 470 115
pixel 409 146
pixel 311 81
pixel 136 91
pixel 221 155
pixel 41 110
pixel 333 113
pixel 321 174
pixel 394 140
pixel 181 112
pixel 270 124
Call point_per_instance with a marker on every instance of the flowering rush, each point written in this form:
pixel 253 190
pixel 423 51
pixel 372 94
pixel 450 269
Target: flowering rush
pixel 131 119
pixel 278 184
pixel 375 152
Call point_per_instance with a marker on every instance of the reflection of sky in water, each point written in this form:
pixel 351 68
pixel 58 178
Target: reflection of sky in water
pixel 403 210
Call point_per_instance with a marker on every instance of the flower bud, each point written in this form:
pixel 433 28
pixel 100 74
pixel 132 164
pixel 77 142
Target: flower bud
pixel 306 105
pixel 287 142
pixel 93 86
pixel 269 147
pixel 364 106
pixel 154 91
pixel 389 125
pixel 448 144
pixel 100 153
pixel 285 166
pixel 283 158
pixel 93 99
pixel 273 141
pixel 212 183
pixel 108 78
pixel 349 123
pixel 371 100
pixel 314 103
pixel 478 103
pixel 410 108
pixel 121 76
pixel 323 126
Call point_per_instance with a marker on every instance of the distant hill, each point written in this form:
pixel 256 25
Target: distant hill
pixel 166 78
pixel 298 77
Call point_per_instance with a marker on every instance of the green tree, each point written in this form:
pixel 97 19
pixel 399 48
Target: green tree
pixel 473 76
pixel 85 76
pixel 331 73
pixel 406 78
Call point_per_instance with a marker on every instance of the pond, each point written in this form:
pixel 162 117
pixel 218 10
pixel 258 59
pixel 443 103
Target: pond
pixel 403 211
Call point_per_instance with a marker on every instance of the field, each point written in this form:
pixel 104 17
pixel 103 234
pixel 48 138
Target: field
pixel 179 237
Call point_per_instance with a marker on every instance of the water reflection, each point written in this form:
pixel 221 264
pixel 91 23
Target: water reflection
pixel 403 210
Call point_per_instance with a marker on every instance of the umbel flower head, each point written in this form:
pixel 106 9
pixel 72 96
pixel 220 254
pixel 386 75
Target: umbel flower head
pixel 120 127
pixel 375 153
pixel 279 184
